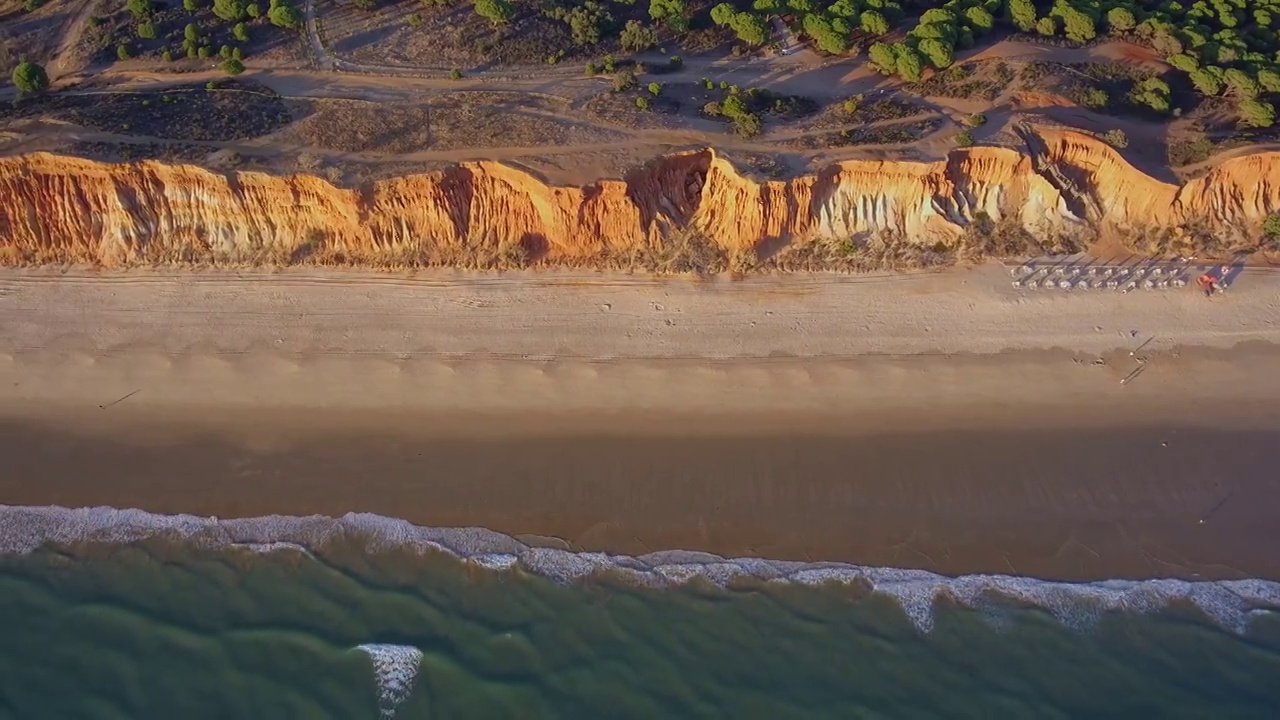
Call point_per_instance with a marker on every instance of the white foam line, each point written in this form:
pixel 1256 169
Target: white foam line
pixel 1230 603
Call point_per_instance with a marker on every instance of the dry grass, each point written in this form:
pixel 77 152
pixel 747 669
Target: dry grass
pixel 874 252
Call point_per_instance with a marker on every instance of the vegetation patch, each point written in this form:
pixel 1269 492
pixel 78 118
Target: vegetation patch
pixel 887 134
pixel 221 111
pixel 969 81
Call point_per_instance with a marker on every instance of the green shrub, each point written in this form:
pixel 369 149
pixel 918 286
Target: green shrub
pixel 123 51
pixel 497 12
pixel 285 16
pixel 191 5
pixel 976 120
pixel 655 88
pixel 147 30
pixel 455 74
pixel 139 8
pixel 1271 226
pixel 232 66
pixel 642 102
pixel 964 138
pixel 1116 138
pixel 240 32
pixel 166 55
pixel 29 77
pixel 591 69
pixel 229 10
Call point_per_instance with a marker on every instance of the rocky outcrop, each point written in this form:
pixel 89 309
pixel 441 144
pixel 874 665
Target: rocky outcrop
pixel 64 209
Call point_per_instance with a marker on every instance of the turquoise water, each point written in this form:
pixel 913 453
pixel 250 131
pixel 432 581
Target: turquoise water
pixel 171 627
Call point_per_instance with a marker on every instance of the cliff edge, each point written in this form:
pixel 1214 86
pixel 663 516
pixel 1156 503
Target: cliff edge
pixel 57 209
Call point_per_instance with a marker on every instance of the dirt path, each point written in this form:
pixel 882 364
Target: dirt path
pixel 70 38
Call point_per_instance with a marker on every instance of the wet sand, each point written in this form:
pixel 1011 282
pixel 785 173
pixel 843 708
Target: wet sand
pixel 1032 462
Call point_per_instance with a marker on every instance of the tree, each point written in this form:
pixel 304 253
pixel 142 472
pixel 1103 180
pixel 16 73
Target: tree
pixel 1208 80
pixel 1116 138
pixel 1022 13
pixel 253 10
pixel 29 77
pixel 1152 92
pixel 240 32
pixel 1269 80
pixel 1257 113
pixel 285 16
pixel 847 9
pixel 229 10
pixel 874 22
pixel 769 7
pixel 642 102
pixel 1240 83
pixel 976 120
pixel 232 66
pixel 937 15
pixel 147 30
pixel 637 36
pixel 191 33
pixel 824 35
pixel 722 14
pixel 455 74
pixel 139 8
pixel 1185 63
pixel 1046 26
pixel 497 12
pixel 674 12
pixel 123 51
pixel 964 138
pixel 883 57
pixel 1121 19
pixel 655 89
pixel 191 5
pixel 751 28
pixel 936 52
pixel 1077 26
pixel 909 64
pixel 980 19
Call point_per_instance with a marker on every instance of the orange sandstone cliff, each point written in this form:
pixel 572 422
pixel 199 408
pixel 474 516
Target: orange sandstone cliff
pixel 64 209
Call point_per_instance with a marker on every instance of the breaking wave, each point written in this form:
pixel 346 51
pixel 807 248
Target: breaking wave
pixel 1231 604
pixel 395 667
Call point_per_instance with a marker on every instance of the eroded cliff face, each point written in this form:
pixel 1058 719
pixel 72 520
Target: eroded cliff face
pixel 62 209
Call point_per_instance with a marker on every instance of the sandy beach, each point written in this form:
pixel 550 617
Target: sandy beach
pixel 939 421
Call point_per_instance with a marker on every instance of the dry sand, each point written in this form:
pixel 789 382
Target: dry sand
pixel 942 421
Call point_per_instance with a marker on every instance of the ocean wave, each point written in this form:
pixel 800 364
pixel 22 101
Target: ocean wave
pixel 1232 604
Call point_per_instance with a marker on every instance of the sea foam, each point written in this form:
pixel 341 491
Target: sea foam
pixel 1231 604
pixel 395 667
